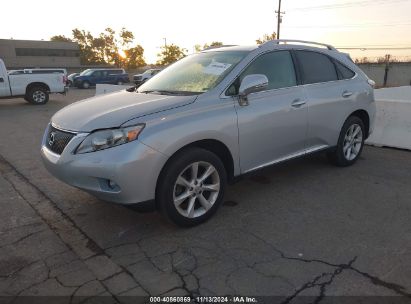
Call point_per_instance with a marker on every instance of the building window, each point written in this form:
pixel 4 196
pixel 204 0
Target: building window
pixel 46 52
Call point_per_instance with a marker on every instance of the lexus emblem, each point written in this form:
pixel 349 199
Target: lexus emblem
pixel 52 138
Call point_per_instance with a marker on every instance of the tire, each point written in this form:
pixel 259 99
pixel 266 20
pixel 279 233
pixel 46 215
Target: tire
pixel 37 95
pixel 185 201
pixel 85 84
pixel 350 143
pixel 120 82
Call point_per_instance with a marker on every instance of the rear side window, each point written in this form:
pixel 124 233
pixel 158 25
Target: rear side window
pixel 277 66
pixel 316 67
pixel 113 72
pixel 343 71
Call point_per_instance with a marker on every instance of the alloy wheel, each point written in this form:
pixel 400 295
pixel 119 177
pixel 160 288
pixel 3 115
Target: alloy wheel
pixel 196 189
pixel 353 142
pixel 39 96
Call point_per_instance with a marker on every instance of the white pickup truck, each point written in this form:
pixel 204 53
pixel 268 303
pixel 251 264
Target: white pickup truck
pixel 34 88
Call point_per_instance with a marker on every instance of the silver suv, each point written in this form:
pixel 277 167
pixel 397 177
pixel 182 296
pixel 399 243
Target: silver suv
pixel 208 118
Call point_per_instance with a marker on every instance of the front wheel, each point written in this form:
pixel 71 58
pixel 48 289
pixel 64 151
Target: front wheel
pixel 191 187
pixel 350 143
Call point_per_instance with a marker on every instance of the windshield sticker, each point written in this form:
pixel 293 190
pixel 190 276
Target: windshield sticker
pixel 216 68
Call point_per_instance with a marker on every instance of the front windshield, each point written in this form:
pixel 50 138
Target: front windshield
pixel 195 74
pixel 86 73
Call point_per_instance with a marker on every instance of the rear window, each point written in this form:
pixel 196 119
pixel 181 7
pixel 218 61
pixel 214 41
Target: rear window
pixel 115 72
pixel 343 71
pixel 47 71
pixel 316 67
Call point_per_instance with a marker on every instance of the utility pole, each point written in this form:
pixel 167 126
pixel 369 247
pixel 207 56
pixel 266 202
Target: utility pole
pixel 165 42
pixel 279 18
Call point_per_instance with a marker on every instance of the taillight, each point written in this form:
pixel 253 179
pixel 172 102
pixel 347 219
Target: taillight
pixel 64 79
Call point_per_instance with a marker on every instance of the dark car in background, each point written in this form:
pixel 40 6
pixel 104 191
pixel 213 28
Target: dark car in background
pixel 91 77
pixel 139 79
pixel 70 79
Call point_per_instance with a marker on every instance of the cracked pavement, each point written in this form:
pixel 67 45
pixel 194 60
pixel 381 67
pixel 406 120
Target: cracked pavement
pixel 303 228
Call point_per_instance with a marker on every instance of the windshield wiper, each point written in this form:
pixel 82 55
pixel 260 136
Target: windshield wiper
pixel 170 92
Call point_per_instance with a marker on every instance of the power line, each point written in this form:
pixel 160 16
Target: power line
pixel 347 5
pixel 374 48
pixel 351 25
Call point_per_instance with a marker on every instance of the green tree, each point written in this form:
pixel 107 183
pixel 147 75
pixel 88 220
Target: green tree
pixel 170 54
pixel 88 54
pixel 212 44
pixel 107 48
pixel 134 57
pixel 60 38
pixel 198 48
pixel 266 37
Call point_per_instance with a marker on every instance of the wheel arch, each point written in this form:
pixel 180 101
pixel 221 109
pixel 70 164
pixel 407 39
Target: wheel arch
pixel 365 117
pixel 37 84
pixel 215 146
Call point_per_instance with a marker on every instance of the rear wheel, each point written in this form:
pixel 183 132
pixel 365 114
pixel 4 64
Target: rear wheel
pixel 191 187
pixel 350 143
pixel 85 85
pixel 120 82
pixel 37 95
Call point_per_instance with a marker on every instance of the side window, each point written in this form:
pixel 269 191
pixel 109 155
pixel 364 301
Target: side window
pixel 96 74
pixel 277 66
pixel 343 71
pixel 316 67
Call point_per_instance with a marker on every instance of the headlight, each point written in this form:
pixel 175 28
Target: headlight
pixel 104 139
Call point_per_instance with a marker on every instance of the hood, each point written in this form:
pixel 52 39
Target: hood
pixel 112 110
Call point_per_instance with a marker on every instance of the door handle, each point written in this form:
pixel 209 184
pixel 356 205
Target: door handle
pixel 298 103
pixel 346 94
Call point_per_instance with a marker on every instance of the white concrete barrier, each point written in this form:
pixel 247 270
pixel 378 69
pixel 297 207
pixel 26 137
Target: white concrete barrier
pixel 393 119
pixel 109 88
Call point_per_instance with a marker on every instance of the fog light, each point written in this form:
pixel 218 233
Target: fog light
pixel 112 185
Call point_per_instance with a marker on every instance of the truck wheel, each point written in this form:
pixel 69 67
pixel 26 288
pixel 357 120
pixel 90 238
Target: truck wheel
pixel 85 85
pixel 37 95
pixel 191 187
pixel 119 82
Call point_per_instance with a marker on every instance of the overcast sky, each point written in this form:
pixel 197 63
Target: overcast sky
pixel 190 22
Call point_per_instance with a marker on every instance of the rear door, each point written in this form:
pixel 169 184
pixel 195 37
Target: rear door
pixel 330 97
pixel 96 77
pixel 113 76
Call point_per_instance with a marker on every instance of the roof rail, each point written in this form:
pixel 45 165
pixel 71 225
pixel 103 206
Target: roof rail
pixel 218 46
pixel 278 41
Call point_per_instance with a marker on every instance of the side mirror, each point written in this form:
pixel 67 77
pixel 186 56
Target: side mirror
pixel 251 84
pixel 1 79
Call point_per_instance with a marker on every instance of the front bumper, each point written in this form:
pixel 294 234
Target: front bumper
pixel 132 167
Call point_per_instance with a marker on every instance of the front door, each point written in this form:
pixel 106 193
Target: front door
pixel 273 126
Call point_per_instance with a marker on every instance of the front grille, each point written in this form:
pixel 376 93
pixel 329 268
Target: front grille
pixel 57 140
